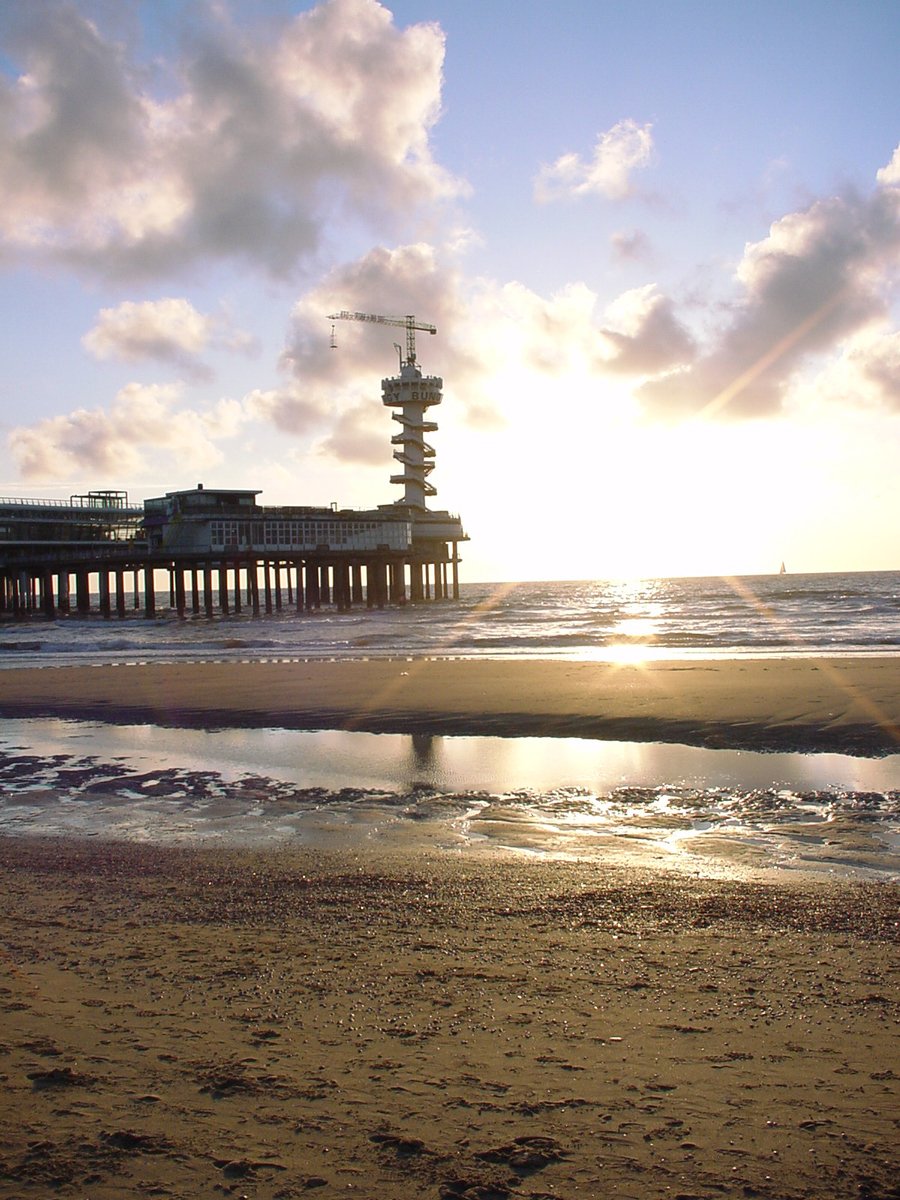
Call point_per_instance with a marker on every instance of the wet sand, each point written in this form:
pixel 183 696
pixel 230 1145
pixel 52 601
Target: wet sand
pixel 184 1023
pixel 847 705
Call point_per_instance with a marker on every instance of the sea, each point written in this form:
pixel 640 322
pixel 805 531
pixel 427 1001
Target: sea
pixel 669 806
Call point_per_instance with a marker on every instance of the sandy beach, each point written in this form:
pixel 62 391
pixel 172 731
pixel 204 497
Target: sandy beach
pixel 850 705
pixel 397 1024
pixel 184 1023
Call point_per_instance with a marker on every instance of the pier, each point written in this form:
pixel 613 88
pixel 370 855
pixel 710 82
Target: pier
pixel 208 551
pixel 215 552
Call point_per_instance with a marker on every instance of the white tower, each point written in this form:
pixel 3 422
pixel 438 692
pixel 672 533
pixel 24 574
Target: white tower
pixel 412 393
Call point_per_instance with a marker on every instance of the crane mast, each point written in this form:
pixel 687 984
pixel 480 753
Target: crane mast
pixel 409 323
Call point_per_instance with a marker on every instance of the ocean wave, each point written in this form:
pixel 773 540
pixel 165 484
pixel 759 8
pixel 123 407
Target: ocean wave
pixel 854 613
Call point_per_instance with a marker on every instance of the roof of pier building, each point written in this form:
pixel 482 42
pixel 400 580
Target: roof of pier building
pixel 202 500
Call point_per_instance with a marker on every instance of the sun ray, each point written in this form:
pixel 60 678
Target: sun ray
pixel 771 356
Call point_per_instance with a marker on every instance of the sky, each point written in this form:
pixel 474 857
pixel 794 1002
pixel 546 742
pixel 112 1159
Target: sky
pixel 659 240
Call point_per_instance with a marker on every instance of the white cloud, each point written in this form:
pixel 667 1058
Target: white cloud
pixel 645 334
pixel 114 442
pixel 489 334
pixel 387 282
pixel 358 437
pixel 288 408
pixel 876 358
pixel 169 331
pixel 242 154
pixel 339 386
pixel 821 275
pixel 619 152
pixel 859 381
pixel 889 176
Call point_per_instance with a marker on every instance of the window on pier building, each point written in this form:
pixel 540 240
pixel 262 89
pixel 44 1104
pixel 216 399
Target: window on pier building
pixel 228 533
pixel 306 534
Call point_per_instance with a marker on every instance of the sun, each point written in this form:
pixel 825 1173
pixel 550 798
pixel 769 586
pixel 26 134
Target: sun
pixel 578 483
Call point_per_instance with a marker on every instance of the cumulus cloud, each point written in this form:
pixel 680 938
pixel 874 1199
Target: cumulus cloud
pixel 490 337
pixel 114 441
pixel 645 335
pixel 288 408
pixel 890 175
pixel 619 152
pixel 877 359
pixel 862 375
pixel 551 335
pixel 357 437
pixel 488 333
pixel 167 331
pixel 240 154
pixel 387 282
pixel 821 275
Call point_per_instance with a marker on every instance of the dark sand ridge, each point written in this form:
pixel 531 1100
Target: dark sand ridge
pixel 186 1023
pixel 843 704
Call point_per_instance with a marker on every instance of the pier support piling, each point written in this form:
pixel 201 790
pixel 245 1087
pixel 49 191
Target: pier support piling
pixel 149 592
pixel 341 578
pixel 180 600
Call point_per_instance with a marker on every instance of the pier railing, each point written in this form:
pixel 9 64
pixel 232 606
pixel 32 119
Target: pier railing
pixel 42 503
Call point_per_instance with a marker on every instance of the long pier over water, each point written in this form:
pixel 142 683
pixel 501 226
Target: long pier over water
pixel 216 552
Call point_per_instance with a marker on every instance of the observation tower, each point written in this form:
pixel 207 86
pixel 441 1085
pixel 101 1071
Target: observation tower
pixel 412 393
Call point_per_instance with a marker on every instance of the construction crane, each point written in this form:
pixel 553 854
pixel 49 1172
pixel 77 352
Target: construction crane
pixel 410 323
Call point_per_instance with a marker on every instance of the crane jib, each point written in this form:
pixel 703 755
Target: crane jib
pixel 408 322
